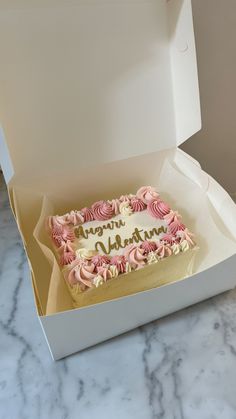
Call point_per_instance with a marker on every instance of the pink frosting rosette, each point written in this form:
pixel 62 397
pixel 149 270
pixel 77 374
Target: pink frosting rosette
pixel 100 260
pixel 87 214
pixel 163 251
pixel 157 208
pixel 83 274
pixel 102 210
pixel 135 256
pixel 119 262
pixel 74 217
pixel 186 235
pixel 54 223
pixel 67 254
pixel 104 272
pixel 175 226
pixel 148 246
pixel 168 239
pixel 62 234
pixel 137 204
pixel 115 205
pixel 172 216
pixel 147 194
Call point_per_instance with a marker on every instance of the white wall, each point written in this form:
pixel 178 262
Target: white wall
pixel 215 145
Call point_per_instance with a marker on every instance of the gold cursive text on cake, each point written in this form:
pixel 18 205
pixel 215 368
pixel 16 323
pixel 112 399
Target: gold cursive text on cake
pixel 81 232
pixel 137 237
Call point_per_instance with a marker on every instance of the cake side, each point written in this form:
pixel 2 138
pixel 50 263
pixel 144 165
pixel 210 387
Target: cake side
pixel 112 239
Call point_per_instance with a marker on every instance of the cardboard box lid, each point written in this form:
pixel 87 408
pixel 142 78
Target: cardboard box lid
pixel 84 82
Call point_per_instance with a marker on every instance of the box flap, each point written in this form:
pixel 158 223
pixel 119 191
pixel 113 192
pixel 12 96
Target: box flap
pixel 87 82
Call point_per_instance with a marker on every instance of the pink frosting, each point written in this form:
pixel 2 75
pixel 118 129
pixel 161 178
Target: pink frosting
pixel 163 251
pixel 168 239
pixel 186 235
pixel 115 205
pixel 104 272
pixel 87 214
pixel 100 260
pixel 169 218
pixel 148 246
pixel 175 226
pixel 102 210
pixel 119 262
pixel 82 273
pixel 74 217
pixel 67 254
pixel 147 194
pixel 135 256
pixel 137 204
pixel 56 221
pixel 62 234
pixel 157 208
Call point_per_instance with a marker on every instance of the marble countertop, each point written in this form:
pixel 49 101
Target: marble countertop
pixel 179 367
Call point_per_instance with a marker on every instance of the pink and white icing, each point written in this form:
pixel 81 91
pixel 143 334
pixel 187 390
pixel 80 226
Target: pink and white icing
pixel 100 260
pixel 119 262
pixel 137 204
pixel 62 234
pixel 67 253
pixel 176 226
pixel 172 216
pixel 87 214
pixel 74 217
pixel 147 194
pixel 163 251
pixel 88 269
pixel 157 208
pixel 135 256
pixel 102 210
pixel 148 246
pixel 82 274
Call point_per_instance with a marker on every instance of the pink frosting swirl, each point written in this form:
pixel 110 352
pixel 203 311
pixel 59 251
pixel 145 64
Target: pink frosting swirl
pixel 62 234
pixel 67 254
pixel 186 235
pixel 168 239
pixel 137 204
pixel 157 208
pixel 55 222
pixel 169 218
pixel 87 214
pixel 147 194
pixel 148 246
pixel 74 217
pixel 125 198
pixel 135 256
pixel 104 272
pixel 82 274
pixel 175 226
pixel 163 251
pixel 100 260
pixel 102 210
pixel 115 205
pixel 119 262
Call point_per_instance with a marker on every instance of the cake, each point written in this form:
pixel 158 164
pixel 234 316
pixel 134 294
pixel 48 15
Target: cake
pixel 120 246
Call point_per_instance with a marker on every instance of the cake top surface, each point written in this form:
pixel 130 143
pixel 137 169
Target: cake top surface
pixel 115 236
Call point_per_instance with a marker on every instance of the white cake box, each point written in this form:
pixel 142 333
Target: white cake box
pixel 95 97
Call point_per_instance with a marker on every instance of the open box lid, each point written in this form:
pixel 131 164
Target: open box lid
pixel 84 82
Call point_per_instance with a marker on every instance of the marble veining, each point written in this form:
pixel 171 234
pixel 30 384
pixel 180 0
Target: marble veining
pixel 179 367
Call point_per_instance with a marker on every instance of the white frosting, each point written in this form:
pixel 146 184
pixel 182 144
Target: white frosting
pixel 85 253
pixel 176 248
pixel 152 258
pixel 185 246
pixel 125 208
pixel 98 280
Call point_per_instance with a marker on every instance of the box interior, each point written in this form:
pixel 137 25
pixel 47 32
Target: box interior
pixel 206 208
pixel 84 83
